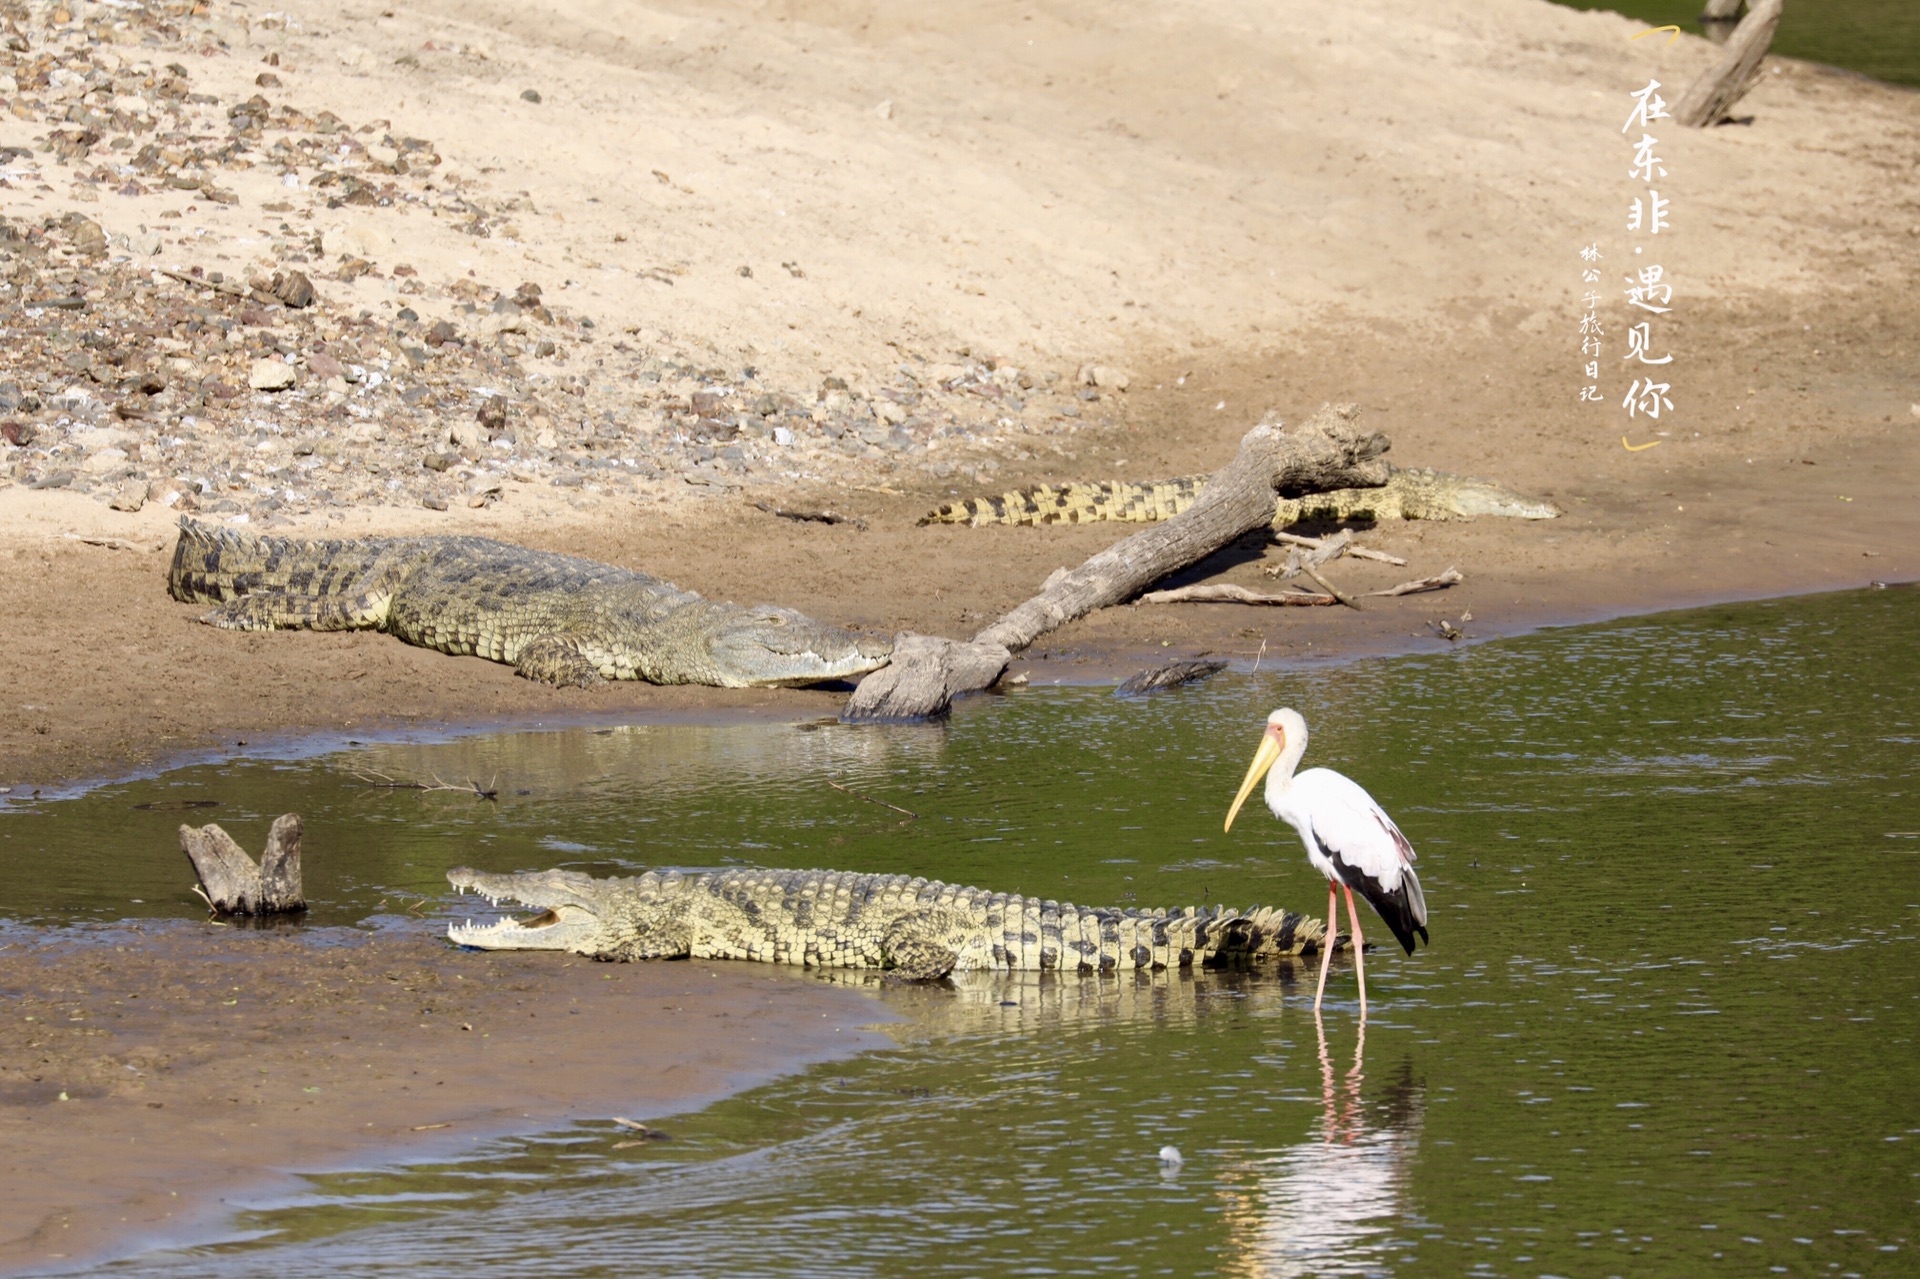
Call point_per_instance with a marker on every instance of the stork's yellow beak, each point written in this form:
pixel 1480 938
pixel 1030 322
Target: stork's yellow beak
pixel 1271 744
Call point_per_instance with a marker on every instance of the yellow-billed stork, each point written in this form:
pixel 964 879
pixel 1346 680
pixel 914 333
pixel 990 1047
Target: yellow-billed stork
pixel 1349 838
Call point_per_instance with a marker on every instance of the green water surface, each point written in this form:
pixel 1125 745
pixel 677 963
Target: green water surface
pixel 1666 1025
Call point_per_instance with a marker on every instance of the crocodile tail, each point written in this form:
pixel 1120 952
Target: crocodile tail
pixel 1260 933
pixel 206 559
pixel 215 564
pixel 1079 503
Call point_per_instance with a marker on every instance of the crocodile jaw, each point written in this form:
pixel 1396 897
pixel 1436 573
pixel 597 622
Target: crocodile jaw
pixel 1488 499
pixel 569 919
pixel 776 647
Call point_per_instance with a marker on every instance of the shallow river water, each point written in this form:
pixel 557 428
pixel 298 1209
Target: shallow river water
pixel 1666 1026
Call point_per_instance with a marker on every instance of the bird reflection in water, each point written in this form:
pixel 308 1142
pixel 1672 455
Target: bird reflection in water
pixel 1331 1205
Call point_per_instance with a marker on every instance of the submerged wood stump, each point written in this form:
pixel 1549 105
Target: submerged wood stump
pixel 230 881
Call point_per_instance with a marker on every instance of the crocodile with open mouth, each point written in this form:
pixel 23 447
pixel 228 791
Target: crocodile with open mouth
pixel 916 928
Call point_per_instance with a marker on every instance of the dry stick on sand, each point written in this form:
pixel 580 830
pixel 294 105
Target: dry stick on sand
pixel 1355 550
pixel 1328 452
pixel 1708 99
pixel 1328 587
pixel 1438 582
pixel 1228 593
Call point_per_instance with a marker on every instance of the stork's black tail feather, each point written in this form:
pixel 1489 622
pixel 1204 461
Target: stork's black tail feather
pixel 1404 910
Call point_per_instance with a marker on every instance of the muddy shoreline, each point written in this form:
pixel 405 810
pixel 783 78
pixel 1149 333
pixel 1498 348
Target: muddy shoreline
pixel 158 1075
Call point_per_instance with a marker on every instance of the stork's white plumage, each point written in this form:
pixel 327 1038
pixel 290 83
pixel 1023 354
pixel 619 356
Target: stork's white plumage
pixel 1349 839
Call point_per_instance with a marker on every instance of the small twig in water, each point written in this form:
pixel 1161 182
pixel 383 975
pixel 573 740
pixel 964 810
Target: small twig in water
pixel 380 781
pixel 646 1133
pixel 870 799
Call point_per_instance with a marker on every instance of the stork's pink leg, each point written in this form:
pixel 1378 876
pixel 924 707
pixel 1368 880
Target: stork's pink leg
pixel 1326 949
pixel 1359 962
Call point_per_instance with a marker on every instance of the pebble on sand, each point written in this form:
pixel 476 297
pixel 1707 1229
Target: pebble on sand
pixel 270 375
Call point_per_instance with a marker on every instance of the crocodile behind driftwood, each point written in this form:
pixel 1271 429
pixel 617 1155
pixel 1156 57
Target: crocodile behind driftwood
pixel 1413 494
pixel 552 617
pixel 916 928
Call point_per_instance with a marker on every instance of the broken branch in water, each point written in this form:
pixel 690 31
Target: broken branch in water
pixel 848 790
pixel 1438 582
pixel 1228 593
pixel 813 517
pixel 380 781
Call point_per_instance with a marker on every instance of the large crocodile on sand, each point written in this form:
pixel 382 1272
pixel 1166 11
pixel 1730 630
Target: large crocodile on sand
pixel 918 929
pixel 1412 494
pixel 552 617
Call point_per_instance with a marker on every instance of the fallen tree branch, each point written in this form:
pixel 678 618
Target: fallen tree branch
pixel 1228 593
pixel 1438 582
pixel 1328 452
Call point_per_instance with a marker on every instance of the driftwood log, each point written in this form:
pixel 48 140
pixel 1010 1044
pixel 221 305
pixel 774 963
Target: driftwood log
pixel 230 881
pixel 1229 593
pixel 1327 452
pixel 1710 99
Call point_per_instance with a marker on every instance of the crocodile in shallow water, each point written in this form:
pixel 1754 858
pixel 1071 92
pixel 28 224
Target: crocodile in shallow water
pixel 916 928
pixel 1413 494
pixel 552 617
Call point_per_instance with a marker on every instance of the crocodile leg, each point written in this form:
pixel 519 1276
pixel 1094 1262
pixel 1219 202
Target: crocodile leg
pixel 553 659
pixel 918 945
pixel 287 610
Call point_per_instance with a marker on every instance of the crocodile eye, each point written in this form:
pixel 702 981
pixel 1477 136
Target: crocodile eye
pixel 774 619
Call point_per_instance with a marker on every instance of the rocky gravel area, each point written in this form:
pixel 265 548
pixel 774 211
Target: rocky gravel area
pixel 313 373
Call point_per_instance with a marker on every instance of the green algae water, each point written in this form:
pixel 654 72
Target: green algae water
pixel 1666 1025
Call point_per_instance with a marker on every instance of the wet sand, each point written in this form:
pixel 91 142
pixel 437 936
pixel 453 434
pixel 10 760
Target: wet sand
pixel 155 1077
